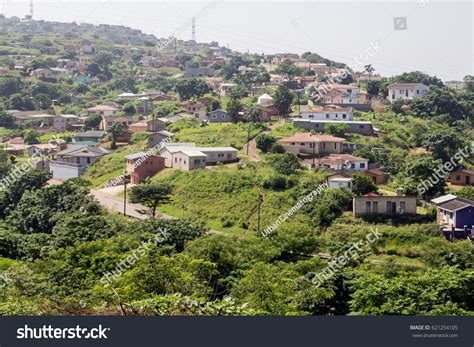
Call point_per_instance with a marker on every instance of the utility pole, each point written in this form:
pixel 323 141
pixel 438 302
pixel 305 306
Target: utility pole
pixel 125 197
pixel 248 138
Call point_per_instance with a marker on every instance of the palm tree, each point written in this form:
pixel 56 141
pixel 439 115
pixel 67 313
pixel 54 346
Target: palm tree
pixel 369 69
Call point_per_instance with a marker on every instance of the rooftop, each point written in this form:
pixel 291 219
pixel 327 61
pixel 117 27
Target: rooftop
pixel 308 137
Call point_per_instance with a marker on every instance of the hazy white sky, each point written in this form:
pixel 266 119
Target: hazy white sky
pixel 438 38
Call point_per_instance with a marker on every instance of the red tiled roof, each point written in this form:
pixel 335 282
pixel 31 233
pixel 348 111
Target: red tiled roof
pixel 371 194
pixel 308 137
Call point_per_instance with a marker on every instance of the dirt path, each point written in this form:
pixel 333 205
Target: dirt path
pixel 252 145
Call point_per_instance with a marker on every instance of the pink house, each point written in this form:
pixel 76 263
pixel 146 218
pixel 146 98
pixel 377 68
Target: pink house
pixel 141 166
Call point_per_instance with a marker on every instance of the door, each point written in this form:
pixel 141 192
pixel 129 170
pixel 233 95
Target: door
pixel 468 180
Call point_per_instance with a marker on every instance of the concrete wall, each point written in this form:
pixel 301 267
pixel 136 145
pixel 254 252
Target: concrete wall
pixel 352 127
pixel 359 205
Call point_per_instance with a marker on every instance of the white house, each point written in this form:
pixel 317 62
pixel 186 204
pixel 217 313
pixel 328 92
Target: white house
pixel 339 162
pixel 73 161
pixel 186 156
pixel 406 91
pixel 328 113
pixel 339 181
pixel 265 100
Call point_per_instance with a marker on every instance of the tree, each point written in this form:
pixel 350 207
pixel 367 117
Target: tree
pixel 5 119
pixel 285 164
pixel 373 87
pixel 336 129
pixel 233 108
pixel 31 137
pixel 469 82
pixel 152 195
pixel 129 109
pixel 114 132
pixel 443 141
pixel 92 121
pixel 42 101
pixel 283 99
pixel 288 69
pixel 363 184
pixel 192 87
pixel 21 103
pixel 9 86
pixel 265 142
pixel 466 192
pixel 369 69
pixel 422 168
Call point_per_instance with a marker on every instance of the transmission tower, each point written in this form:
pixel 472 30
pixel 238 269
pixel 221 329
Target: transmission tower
pixel 31 9
pixel 193 35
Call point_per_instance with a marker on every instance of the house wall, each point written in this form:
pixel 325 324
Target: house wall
pixel 352 127
pixel 406 93
pixel 319 148
pixel 464 217
pixel 219 117
pixel 460 179
pixel 222 156
pixel 148 168
pixel 327 115
pixel 182 162
pixel 63 172
pixel 359 205
pixel 334 184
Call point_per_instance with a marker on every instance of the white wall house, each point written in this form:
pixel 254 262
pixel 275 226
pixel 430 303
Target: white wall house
pixel 328 114
pixel 338 181
pixel 73 161
pixel 406 91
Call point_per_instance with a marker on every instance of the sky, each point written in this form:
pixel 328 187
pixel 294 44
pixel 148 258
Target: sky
pixel 432 36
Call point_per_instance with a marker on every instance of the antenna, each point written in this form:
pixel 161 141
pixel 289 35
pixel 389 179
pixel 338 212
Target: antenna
pixel 193 35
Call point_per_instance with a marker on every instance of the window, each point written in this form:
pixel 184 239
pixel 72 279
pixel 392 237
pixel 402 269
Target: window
pixel 197 161
pixel 88 160
pixel 458 178
pixel 361 126
pixel 375 207
pixel 368 207
pixel 214 116
pixel 184 161
pixel 344 115
pixel 175 160
pixel 311 116
pixel 402 206
pixel 324 145
pixel 389 207
pixel 311 145
pixel 417 91
pixel 302 143
pixel 362 165
pixel 78 160
pixel 220 155
pixel 335 145
pixel 293 143
pixel 327 115
pixel 353 166
pixel 223 116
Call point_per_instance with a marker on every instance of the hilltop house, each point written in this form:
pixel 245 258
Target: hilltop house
pixel 42 73
pixel 65 122
pixel 462 177
pixel 373 204
pixel 162 136
pixel 356 127
pixel 328 113
pixel 377 175
pixel 151 125
pixel 406 91
pixel 141 166
pixel 337 181
pixel 89 136
pixel 219 116
pixel 197 109
pixel 186 156
pixel 454 213
pixel 307 143
pixel 338 162
pixel 73 161
pixel 105 109
pixel 108 121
